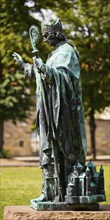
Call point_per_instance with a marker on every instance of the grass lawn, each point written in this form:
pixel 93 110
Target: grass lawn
pixel 20 184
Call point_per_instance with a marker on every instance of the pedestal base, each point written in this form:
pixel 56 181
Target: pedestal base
pixel 27 213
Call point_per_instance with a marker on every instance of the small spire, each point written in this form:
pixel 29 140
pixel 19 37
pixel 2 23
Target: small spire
pixel 87 171
pixel 101 170
pixel 90 164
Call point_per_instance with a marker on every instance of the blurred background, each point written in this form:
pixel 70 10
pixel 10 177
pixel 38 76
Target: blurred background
pixel 87 26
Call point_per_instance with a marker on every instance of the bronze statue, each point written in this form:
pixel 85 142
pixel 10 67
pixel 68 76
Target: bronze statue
pixel 60 118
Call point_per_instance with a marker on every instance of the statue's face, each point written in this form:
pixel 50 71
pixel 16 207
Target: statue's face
pixel 50 38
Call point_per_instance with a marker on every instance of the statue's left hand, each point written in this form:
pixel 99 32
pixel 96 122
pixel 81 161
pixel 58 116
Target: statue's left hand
pixel 18 58
pixel 38 61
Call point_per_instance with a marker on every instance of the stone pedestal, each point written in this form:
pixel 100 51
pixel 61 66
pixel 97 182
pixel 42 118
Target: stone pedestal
pixel 27 213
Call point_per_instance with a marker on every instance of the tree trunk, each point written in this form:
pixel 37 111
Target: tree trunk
pixel 92 134
pixel 1 135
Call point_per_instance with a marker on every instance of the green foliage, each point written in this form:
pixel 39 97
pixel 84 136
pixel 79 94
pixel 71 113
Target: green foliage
pixel 14 92
pixel 14 100
pixel 5 153
pixel 34 127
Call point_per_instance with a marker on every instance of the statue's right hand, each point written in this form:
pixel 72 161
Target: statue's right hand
pixel 18 58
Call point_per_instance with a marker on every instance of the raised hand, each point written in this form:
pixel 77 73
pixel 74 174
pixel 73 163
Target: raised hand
pixel 18 58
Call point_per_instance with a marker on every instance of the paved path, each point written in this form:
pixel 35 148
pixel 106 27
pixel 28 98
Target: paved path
pixel 34 161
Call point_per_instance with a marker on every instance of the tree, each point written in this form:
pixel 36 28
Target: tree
pixel 89 21
pixel 15 98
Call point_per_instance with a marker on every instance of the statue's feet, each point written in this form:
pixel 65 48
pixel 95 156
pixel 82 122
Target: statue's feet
pixel 41 198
